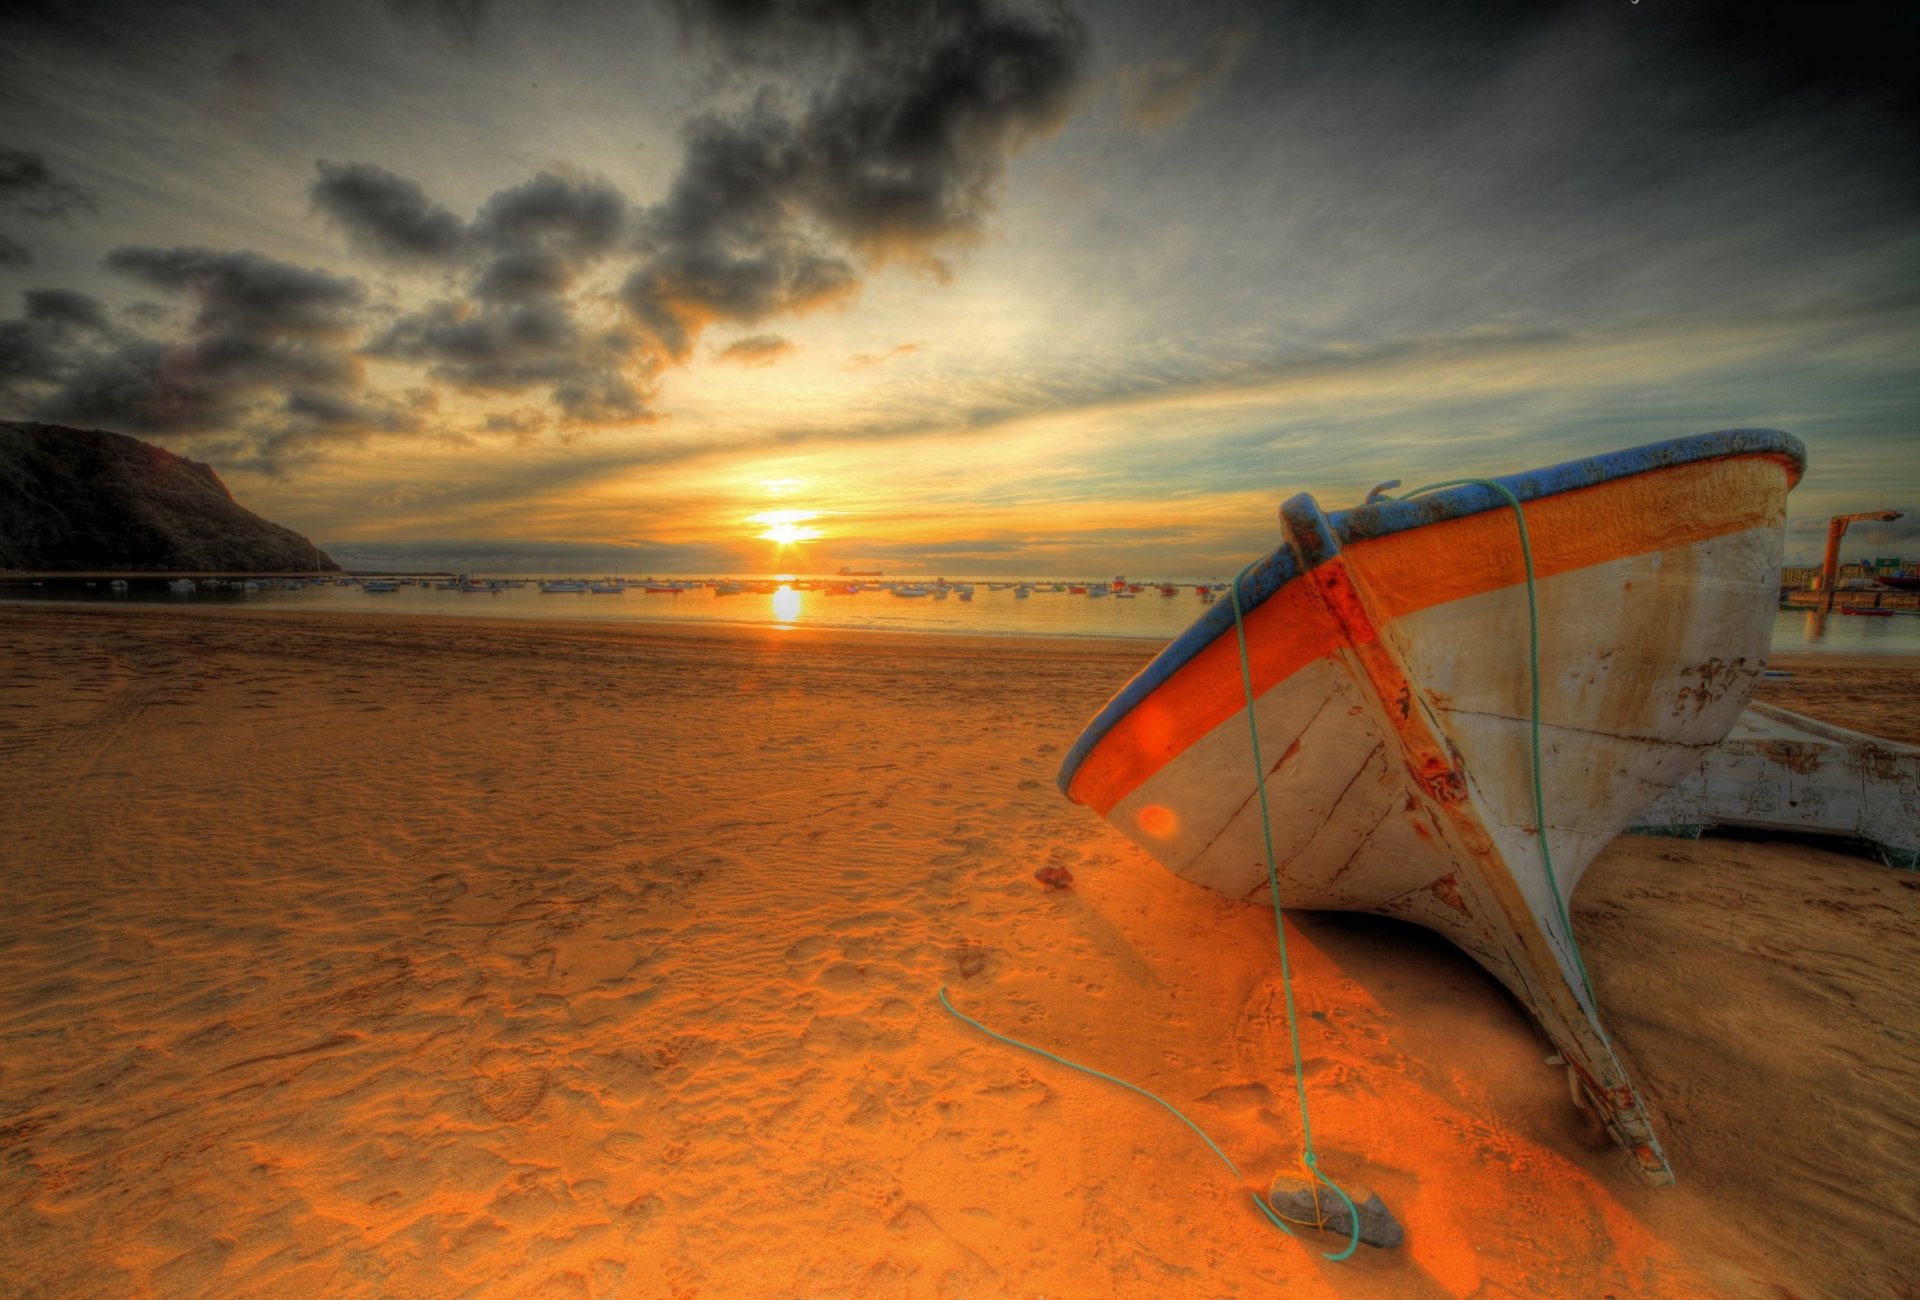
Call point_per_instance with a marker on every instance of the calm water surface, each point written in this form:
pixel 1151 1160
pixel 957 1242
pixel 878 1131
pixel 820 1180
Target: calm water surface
pixel 1148 616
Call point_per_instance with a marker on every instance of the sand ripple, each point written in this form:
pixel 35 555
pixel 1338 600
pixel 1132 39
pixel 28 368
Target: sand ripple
pixel 383 958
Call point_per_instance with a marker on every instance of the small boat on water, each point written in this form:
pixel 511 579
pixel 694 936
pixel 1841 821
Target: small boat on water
pixel 563 587
pixel 1389 661
pixel 181 586
pixel 378 585
pixel 909 590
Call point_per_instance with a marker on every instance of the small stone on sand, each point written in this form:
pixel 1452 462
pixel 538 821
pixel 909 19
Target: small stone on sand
pixel 1292 1199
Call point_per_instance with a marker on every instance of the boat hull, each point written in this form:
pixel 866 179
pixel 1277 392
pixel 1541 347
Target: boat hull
pixel 1389 657
pixel 1780 772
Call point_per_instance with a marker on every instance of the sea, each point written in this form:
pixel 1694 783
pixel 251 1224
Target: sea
pixel 993 610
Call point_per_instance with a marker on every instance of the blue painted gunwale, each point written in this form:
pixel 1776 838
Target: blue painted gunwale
pixel 1384 518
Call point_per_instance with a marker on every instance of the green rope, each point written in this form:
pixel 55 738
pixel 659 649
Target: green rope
pixel 1533 658
pixel 1273 879
pixel 1286 980
pixel 1258 1200
pixel 1279 926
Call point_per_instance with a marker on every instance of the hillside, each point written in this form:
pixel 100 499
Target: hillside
pixel 88 500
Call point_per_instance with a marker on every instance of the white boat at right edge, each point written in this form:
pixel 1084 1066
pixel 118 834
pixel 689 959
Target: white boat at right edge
pixel 1779 772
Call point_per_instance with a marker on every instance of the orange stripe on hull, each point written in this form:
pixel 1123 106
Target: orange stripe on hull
pixel 1427 566
pixel 1284 634
pixel 1658 511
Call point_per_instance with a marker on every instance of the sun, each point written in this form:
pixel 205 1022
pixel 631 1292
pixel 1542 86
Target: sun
pixel 786 527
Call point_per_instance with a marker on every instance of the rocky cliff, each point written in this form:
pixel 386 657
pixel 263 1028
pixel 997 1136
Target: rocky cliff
pixel 85 500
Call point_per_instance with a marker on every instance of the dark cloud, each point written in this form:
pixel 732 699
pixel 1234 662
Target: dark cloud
pixel 314 418
pixel 31 354
pixel 267 351
pixel 47 344
pixel 756 350
pixel 28 186
pixel 65 307
pixel 522 423
pixel 524 277
pixel 509 350
pixel 894 149
pixel 888 141
pixel 14 253
pixel 386 215
pixel 1159 94
pixel 575 217
pixel 245 293
pixel 520 327
pixel 679 293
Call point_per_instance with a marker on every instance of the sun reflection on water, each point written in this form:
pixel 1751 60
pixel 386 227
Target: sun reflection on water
pixel 786 604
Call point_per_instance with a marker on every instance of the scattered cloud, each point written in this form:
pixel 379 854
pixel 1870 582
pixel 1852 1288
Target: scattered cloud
pixel 267 349
pixel 867 360
pixel 570 216
pixel 65 307
pixel 1412 242
pixel 244 294
pixel 892 149
pixel 28 186
pixel 1161 94
pixel 386 215
pixel 756 350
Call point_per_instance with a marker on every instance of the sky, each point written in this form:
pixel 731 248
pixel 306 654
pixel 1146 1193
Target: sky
pixel 954 285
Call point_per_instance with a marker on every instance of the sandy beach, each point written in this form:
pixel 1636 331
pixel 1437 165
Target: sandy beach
pixel 443 957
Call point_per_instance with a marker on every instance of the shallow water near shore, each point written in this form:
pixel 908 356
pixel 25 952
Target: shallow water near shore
pixel 1148 616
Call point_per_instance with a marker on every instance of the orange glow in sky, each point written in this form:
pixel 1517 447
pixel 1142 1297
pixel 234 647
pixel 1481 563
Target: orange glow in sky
pixel 786 526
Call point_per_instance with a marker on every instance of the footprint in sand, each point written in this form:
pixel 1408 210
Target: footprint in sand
pixel 624 1147
pixel 444 888
pixel 509 1086
pixel 971 958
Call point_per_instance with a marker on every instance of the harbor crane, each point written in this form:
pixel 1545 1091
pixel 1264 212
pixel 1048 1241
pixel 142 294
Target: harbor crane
pixel 1836 529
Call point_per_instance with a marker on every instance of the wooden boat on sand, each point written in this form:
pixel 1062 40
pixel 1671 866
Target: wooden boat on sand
pixel 1778 771
pixel 1388 651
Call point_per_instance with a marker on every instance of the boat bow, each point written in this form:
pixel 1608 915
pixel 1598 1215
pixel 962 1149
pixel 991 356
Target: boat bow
pixel 1388 650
